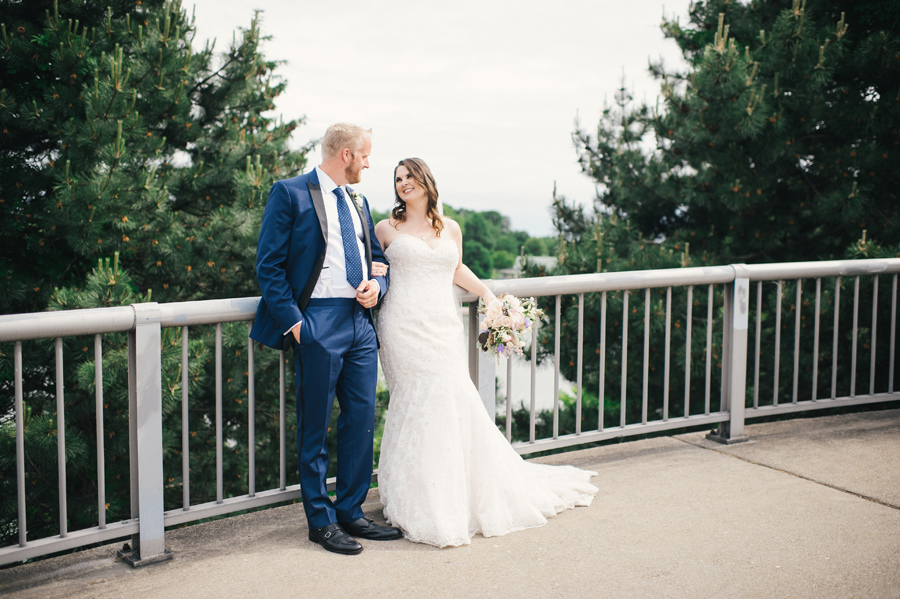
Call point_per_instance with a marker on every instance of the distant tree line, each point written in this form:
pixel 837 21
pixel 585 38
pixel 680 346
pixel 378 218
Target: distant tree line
pixel 489 244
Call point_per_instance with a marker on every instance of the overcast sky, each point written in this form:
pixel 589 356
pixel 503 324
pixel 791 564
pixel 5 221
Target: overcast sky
pixel 486 92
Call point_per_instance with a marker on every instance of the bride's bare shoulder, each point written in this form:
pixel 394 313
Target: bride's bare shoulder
pixel 386 231
pixel 452 227
pixel 384 227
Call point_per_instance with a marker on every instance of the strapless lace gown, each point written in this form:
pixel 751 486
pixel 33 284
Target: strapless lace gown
pixel 446 472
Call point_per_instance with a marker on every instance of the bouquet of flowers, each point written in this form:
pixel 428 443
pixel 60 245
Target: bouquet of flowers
pixel 506 322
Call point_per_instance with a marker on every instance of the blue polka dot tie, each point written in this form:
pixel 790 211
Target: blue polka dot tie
pixel 352 260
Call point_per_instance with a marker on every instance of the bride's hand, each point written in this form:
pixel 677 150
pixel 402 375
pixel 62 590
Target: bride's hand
pixel 379 269
pixel 488 297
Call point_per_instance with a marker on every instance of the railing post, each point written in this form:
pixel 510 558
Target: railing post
pixel 145 438
pixel 734 358
pixel 482 366
pixel 487 385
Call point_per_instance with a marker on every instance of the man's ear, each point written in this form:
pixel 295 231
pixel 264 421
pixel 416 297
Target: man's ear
pixel 346 155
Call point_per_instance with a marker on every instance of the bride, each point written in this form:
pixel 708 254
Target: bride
pixel 446 472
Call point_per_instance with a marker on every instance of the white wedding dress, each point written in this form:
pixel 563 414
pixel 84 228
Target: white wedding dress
pixel 446 472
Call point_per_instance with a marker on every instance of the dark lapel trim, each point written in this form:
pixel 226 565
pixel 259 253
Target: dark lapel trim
pixel 318 201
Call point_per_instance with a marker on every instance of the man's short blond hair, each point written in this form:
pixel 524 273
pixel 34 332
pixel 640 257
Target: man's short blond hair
pixel 340 136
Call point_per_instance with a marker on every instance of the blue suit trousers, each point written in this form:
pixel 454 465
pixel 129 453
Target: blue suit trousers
pixel 337 355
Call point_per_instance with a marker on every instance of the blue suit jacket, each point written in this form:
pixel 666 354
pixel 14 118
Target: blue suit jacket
pixel 288 256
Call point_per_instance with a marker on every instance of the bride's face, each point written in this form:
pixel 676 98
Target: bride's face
pixel 408 189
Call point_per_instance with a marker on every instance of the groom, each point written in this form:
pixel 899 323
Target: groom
pixel 314 260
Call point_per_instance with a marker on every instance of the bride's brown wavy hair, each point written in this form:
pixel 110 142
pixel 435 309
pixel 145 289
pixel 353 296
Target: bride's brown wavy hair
pixel 422 175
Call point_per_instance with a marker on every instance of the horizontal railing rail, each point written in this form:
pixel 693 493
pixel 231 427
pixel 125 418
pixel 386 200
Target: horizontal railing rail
pixel 631 327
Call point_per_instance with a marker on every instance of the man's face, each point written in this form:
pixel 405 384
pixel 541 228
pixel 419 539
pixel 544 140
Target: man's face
pixel 358 161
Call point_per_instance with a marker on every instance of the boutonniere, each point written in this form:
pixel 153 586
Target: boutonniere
pixel 357 199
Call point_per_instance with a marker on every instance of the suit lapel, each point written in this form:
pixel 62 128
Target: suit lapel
pixel 318 201
pixel 365 228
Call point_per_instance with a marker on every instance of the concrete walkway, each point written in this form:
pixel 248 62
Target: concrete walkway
pixel 806 508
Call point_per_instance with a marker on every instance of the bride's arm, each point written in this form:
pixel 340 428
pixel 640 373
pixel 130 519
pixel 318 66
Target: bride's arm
pixel 379 269
pixel 464 277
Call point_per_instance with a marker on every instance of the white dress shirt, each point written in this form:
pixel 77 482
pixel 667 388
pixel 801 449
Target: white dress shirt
pixel 333 278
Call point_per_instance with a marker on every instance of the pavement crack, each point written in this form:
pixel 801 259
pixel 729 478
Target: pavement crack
pixel 794 474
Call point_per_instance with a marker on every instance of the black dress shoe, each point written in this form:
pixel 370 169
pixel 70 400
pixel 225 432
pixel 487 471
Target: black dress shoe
pixel 334 539
pixel 366 529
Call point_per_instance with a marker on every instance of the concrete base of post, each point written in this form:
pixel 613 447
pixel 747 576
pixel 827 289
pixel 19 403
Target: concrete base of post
pixel 133 558
pixel 721 436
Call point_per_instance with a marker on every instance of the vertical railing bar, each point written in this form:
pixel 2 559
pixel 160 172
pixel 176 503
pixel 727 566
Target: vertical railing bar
pixel 556 332
pixel 579 362
pixel 777 368
pixel 20 443
pixel 815 372
pixel 473 322
pixel 646 380
pixel 891 362
pixel 709 324
pixel 725 366
pixel 667 353
pixel 185 424
pixel 624 358
pixel 509 400
pixel 133 463
pixel 251 420
pixel 531 405
pixel 101 458
pixel 758 341
pixel 687 351
pixel 797 309
pixel 282 424
pixel 219 475
pixel 874 335
pixel 834 348
pixel 61 439
pixel 601 390
pixel 855 331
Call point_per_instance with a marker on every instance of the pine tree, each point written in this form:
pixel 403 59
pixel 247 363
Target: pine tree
pixel 117 137
pixel 779 143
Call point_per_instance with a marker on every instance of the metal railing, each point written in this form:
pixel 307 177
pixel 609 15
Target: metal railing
pixel 725 338
pixel 732 285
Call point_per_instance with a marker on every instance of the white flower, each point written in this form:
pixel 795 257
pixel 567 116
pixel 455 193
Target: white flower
pixel 494 311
